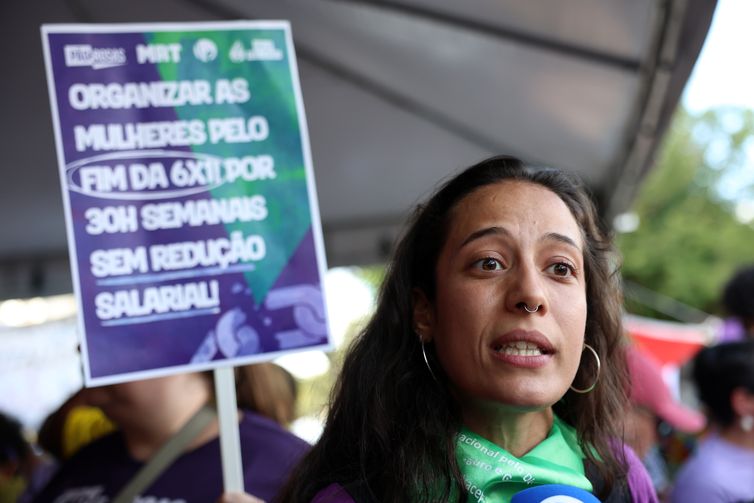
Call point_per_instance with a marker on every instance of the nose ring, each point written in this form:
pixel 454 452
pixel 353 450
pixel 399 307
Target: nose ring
pixel 526 308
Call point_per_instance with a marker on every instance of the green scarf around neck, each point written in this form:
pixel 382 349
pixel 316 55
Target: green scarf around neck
pixel 494 475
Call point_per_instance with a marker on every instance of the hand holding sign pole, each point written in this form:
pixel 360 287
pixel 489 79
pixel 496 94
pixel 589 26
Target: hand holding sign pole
pixel 188 188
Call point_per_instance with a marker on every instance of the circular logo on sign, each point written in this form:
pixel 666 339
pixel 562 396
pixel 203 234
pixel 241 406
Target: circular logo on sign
pixel 205 50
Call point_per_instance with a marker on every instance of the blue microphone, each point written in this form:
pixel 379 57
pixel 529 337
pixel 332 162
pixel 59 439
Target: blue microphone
pixel 554 493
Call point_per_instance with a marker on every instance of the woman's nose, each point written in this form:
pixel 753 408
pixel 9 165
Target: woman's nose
pixel 525 293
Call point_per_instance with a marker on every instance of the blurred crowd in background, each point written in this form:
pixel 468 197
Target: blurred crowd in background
pixel 697 446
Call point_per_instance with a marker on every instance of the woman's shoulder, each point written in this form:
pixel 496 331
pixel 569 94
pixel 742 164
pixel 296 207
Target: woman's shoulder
pixel 637 477
pixel 637 486
pixel 258 429
pixel 714 473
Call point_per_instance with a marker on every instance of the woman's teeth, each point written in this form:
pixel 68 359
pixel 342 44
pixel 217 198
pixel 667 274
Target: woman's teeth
pixel 520 348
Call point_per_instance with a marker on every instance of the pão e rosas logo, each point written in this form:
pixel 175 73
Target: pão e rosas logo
pixel 94 57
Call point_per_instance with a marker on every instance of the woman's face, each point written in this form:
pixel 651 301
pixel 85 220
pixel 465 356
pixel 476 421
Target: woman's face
pixel 509 244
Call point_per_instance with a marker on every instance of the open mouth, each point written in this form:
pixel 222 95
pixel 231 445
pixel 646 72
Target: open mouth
pixel 519 348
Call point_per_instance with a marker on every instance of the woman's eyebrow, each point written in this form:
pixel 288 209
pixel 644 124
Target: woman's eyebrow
pixel 502 231
pixel 487 231
pixel 562 238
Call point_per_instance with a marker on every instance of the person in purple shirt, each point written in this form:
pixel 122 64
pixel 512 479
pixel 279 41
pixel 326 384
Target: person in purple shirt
pixel 495 359
pixel 147 414
pixel 721 470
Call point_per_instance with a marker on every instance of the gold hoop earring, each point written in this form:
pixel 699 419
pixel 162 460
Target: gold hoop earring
pixel 597 378
pixel 426 360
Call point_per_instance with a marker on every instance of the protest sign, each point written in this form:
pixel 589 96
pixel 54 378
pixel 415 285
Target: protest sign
pixel 188 188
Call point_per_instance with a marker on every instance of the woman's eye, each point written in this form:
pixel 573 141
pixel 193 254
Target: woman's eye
pixel 489 264
pixel 561 269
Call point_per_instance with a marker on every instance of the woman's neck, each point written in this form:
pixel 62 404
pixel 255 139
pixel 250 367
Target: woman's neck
pixel 145 431
pixel 516 431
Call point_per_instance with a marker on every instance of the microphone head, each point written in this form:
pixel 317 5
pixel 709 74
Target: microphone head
pixel 554 493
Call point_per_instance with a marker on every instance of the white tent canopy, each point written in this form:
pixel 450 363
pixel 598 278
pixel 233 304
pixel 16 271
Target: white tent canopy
pixel 398 94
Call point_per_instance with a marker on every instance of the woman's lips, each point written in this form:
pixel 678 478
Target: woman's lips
pixel 523 348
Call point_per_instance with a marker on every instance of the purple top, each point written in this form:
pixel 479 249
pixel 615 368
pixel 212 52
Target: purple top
pixel 639 481
pixel 98 472
pixel 717 472
pixel 639 484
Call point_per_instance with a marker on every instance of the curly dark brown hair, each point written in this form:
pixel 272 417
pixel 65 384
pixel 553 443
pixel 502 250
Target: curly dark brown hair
pixel 390 430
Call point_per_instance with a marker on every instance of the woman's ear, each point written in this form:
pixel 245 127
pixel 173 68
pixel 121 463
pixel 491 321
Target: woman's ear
pixel 423 315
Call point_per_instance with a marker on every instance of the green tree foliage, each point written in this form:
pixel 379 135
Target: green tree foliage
pixel 689 240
